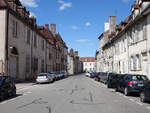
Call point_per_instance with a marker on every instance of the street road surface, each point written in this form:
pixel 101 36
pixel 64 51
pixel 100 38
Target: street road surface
pixel 76 94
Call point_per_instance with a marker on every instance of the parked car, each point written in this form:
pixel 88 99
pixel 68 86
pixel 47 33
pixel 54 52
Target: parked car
pixel 112 80
pixel 98 76
pixel 60 75
pixel 129 83
pixel 145 93
pixel 7 87
pixel 87 74
pixel 104 77
pixel 52 74
pixel 44 78
pixel 93 74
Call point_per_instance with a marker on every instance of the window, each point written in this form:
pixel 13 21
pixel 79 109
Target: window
pixel 133 34
pixel 50 56
pixel 137 30
pixel 35 41
pixel 14 28
pixel 27 64
pixel 7 80
pixel 42 66
pixel 145 29
pixel 14 7
pixel 131 63
pixel 138 62
pixel 28 36
pixel 35 64
pixel 144 56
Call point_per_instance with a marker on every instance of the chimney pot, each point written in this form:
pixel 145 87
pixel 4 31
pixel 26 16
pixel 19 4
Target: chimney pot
pixel 46 26
pixel 53 28
pixel 112 24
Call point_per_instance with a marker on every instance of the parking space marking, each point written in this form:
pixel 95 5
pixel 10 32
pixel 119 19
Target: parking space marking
pixel 131 99
pixel 148 108
pixel 139 103
pixel 3 102
pixel 134 100
pixel 125 96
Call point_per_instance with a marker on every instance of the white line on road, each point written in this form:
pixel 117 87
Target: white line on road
pixel 3 102
pixel 125 96
pixel 131 99
pixel 139 103
pixel 148 108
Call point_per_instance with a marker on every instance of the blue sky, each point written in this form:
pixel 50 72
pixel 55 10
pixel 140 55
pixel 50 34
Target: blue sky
pixel 79 22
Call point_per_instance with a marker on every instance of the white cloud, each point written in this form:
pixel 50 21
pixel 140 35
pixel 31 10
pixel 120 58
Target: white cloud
pixel 64 5
pixel 83 41
pixel 87 24
pixel 30 3
pixel 32 14
pixel 125 1
pixel 74 27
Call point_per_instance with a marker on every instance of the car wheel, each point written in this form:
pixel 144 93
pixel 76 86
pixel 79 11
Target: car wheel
pixel 108 85
pixel 126 92
pixel 142 97
pixel 14 92
pixel 116 89
pixel 2 96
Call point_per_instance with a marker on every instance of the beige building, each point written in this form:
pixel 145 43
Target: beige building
pixel 88 63
pixel 125 48
pixel 28 49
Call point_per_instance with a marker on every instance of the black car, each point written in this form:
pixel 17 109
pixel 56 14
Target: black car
pixel 104 77
pixel 7 87
pixel 98 76
pixel 129 83
pixel 145 93
pixel 112 80
pixel 93 74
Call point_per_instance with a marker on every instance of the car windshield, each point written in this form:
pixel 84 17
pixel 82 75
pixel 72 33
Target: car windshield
pixel 1 80
pixel 43 74
pixel 139 77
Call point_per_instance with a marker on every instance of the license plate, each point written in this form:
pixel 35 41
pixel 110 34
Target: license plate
pixel 140 85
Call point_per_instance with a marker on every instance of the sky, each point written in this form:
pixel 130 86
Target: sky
pixel 80 22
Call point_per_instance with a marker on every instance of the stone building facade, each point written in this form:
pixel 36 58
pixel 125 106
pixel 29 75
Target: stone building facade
pixel 75 65
pixel 88 63
pixel 125 47
pixel 26 48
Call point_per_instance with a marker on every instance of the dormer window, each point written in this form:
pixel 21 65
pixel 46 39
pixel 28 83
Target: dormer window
pixel 14 7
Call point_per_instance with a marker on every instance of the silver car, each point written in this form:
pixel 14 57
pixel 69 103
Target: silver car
pixel 44 78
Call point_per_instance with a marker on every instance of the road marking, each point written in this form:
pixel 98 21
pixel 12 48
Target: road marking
pixel 139 103
pixel 131 99
pixel 3 102
pixel 125 96
pixel 148 108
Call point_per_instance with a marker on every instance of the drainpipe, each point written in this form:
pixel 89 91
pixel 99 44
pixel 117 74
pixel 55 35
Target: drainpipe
pixel 6 42
pixel 46 56
pixel 31 54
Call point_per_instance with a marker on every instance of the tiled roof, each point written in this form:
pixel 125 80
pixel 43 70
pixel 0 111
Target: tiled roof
pixel 87 59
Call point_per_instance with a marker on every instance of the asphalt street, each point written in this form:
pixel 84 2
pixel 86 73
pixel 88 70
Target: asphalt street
pixel 75 94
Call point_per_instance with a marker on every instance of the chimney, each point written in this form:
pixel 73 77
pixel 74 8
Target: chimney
pixel 76 53
pixel 106 26
pixel 112 24
pixel 46 26
pixel 53 28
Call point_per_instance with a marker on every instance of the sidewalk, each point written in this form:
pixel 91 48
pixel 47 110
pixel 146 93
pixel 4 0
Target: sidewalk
pixel 20 86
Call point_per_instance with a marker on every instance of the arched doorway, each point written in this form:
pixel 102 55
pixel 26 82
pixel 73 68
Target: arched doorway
pixel 13 62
